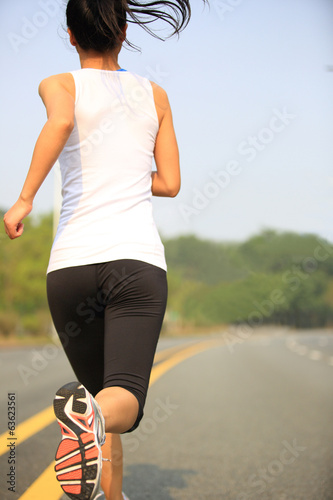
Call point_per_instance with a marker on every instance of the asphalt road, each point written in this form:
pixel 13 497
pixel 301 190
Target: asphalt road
pixel 248 419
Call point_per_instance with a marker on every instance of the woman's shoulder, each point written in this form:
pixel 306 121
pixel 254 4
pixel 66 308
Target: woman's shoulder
pixel 159 92
pixel 161 100
pixel 64 80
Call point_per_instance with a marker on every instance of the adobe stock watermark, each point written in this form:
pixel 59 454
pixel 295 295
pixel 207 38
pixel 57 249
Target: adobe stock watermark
pixel 248 148
pixel 293 277
pixel 132 104
pixel 225 7
pixel 40 359
pixel 31 27
pixel 156 74
pixel 257 483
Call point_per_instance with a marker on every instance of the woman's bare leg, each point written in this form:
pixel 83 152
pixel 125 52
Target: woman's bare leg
pixel 112 472
pixel 120 410
pixel 119 407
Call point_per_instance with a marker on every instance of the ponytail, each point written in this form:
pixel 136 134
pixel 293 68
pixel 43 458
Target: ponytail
pixel 176 15
pixel 98 24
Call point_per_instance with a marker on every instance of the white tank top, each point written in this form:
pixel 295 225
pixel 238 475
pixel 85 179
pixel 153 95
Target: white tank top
pixel 106 169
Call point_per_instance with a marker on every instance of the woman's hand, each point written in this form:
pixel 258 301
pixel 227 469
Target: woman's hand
pixel 13 218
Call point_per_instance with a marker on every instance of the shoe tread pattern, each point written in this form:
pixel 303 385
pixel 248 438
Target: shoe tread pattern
pixel 89 471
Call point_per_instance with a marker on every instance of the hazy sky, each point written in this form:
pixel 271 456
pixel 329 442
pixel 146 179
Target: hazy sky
pixel 252 101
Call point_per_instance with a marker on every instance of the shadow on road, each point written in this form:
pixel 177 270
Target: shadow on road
pixel 146 481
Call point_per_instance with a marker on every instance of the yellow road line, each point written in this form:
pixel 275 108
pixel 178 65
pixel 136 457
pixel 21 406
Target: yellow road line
pixel 28 428
pixel 177 358
pixel 164 353
pixel 46 485
pixel 38 422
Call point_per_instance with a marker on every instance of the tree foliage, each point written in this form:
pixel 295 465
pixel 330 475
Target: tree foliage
pixel 23 263
pixel 273 277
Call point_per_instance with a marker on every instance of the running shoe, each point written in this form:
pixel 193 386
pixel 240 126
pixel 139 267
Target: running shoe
pixel 101 496
pixel 79 457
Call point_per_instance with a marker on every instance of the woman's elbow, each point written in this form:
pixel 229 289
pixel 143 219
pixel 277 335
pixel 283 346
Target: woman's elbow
pixel 173 190
pixel 64 124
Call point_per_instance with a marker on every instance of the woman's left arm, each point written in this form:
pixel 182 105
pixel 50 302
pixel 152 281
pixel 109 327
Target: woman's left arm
pixel 57 95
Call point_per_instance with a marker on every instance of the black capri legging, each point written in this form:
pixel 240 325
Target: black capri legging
pixel 108 317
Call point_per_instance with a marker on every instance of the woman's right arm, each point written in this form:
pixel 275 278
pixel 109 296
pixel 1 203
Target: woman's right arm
pixel 166 179
pixel 57 95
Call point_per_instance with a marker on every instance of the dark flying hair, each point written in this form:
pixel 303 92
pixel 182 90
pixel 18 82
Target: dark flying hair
pixel 98 24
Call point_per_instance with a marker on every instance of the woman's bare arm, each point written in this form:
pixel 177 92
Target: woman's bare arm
pixel 166 180
pixel 57 95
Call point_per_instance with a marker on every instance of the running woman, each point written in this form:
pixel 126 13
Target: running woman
pixel 106 278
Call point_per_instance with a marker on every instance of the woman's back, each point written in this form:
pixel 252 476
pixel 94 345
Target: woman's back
pixel 106 173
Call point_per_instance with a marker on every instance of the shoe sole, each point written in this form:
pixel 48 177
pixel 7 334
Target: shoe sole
pixel 78 457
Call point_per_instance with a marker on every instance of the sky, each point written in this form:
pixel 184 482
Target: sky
pixel 250 84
